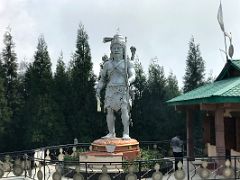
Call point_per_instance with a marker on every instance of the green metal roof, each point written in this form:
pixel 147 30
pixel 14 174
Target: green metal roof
pixel 222 91
pixel 231 64
pixel 225 89
pixel 236 63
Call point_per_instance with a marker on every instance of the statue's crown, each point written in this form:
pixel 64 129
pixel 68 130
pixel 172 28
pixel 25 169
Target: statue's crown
pixel 116 39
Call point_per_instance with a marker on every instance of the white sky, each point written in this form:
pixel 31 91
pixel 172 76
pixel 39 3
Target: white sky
pixel 158 28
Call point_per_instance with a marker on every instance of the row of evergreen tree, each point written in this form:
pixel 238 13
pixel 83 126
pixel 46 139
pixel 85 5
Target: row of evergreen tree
pixel 39 107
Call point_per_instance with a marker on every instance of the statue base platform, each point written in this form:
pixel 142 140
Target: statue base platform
pixel 109 152
pixel 128 148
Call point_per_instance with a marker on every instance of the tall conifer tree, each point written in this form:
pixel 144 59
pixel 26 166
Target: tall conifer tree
pixel 195 68
pixel 5 116
pixel 141 80
pixel 138 103
pixel 12 90
pixel 83 99
pixel 174 119
pixel 9 58
pixel 157 82
pixel 172 88
pixel 154 98
pixel 195 77
pixel 61 95
pixel 44 124
pixel 61 83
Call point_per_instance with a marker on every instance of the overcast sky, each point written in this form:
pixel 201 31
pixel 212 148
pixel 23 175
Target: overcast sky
pixel 157 28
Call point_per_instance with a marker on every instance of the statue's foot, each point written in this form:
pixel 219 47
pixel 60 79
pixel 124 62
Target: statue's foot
pixel 126 137
pixel 109 135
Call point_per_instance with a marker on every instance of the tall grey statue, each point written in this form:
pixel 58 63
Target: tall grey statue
pixel 117 75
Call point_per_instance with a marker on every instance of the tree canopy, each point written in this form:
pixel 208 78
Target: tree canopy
pixel 40 107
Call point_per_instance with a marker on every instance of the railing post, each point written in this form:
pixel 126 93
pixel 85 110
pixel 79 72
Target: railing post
pixel 25 165
pixel 86 172
pixel 188 175
pixel 139 169
pixel 235 168
pixel 25 170
pixel 44 164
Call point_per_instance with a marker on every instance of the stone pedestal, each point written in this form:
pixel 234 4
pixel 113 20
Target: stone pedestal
pixel 110 151
pixel 128 148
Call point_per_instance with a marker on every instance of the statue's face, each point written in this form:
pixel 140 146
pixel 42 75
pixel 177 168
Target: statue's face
pixel 117 50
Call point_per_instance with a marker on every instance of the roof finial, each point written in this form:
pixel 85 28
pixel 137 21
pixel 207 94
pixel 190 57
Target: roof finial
pixel 231 48
pixel 221 23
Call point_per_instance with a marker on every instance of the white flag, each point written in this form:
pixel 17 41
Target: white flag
pixel 220 17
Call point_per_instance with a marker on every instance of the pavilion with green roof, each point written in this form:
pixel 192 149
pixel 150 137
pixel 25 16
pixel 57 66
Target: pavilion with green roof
pixel 221 101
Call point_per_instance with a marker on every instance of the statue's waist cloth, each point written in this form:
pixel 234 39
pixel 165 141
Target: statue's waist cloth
pixel 116 97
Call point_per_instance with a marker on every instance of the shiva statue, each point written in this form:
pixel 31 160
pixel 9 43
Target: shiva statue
pixel 117 75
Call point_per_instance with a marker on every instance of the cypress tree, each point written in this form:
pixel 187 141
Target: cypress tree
pixel 157 82
pixel 154 98
pixel 61 95
pixel 174 119
pixel 172 88
pixel 12 88
pixel 193 78
pixel 195 68
pixel 9 58
pixel 138 103
pixel 83 109
pixel 4 119
pixel 141 80
pixel 44 123
pixel 61 83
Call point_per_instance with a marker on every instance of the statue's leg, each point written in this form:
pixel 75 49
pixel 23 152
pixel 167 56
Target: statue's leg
pixel 110 123
pixel 125 122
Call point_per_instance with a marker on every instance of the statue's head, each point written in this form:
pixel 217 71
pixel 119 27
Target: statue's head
pixel 118 46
